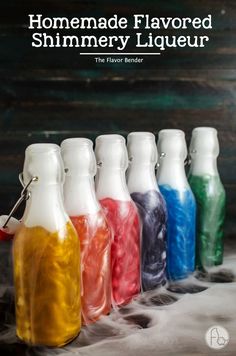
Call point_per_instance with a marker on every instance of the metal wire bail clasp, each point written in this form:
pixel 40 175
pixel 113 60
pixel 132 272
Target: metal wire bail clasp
pixel 23 197
pixel 188 160
pixel 162 155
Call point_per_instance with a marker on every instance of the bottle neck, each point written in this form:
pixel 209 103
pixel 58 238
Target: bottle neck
pixel 79 195
pixel 204 165
pixel 111 183
pixel 45 208
pixel 141 178
pixel 172 172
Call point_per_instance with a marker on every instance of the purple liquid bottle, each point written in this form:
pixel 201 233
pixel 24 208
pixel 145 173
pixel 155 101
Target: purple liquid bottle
pixel 144 191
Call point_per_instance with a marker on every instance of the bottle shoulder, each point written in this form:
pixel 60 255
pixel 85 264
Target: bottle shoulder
pixel 45 208
pixel 172 173
pixel 112 184
pixel 142 179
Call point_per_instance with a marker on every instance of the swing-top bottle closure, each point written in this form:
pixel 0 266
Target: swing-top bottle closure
pixel 78 157
pixel 44 161
pixel 171 144
pixel 80 167
pixel 112 162
pixel 143 156
pixel 204 142
pixel 142 149
pixel 25 195
pixel 110 151
pixel 42 178
pixel 172 133
pixel 204 150
pixel 173 158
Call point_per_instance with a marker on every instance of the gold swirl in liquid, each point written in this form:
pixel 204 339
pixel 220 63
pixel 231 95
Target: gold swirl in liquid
pixel 47 285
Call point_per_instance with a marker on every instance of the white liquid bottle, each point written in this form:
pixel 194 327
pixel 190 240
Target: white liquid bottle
pixel 122 215
pixel 210 196
pixel 180 203
pixel 142 184
pixel 90 222
pixel 46 254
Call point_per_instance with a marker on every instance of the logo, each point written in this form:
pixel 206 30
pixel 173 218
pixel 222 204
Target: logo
pixel 217 337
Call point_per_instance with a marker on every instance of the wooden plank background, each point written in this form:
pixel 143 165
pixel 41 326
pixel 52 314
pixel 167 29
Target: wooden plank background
pixel 50 94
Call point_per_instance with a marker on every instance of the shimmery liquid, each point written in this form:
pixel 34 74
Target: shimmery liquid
pixel 125 252
pixel 210 196
pixel 95 242
pixel 181 232
pixel 153 214
pixel 47 285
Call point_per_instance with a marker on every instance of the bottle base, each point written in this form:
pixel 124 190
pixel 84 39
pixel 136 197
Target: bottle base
pixel 48 344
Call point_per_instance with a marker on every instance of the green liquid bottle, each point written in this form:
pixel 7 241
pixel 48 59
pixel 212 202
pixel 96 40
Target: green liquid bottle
pixel 209 192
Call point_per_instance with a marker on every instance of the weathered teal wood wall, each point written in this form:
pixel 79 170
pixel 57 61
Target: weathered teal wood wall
pixel 48 95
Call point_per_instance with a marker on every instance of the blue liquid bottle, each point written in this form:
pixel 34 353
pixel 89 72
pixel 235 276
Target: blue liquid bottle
pixel 181 205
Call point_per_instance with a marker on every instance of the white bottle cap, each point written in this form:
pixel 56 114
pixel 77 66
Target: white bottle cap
pixel 204 149
pixel 112 160
pixel 142 148
pixel 43 160
pixel 111 152
pixel 173 152
pixel 45 206
pixel 171 144
pixel 78 157
pixel 204 142
pixel 142 151
pixel 80 166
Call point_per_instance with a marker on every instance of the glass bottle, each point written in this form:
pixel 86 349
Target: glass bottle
pixel 144 191
pixel 209 192
pixel 122 215
pixel 90 222
pixel 46 254
pixel 181 205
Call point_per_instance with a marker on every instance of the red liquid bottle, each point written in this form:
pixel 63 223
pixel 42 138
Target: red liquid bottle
pixel 91 225
pixel 122 215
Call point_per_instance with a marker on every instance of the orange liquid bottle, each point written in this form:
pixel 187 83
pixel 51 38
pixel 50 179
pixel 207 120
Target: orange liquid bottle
pixel 91 225
pixel 46 255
